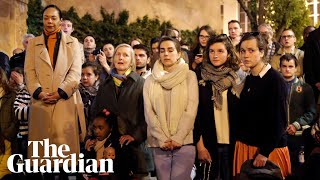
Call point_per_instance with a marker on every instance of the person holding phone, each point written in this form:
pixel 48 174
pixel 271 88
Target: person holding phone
pixel 205 32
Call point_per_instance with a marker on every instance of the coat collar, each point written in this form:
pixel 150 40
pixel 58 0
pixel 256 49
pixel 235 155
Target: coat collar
pixel 133 75
pixel 43 52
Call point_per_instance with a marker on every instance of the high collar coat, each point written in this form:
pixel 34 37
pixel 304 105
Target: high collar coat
pixel 58 122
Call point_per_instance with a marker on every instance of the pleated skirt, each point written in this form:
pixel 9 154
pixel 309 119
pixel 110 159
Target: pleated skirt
pixel 243 152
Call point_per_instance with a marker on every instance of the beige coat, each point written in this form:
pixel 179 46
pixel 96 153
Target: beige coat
pixel 58 122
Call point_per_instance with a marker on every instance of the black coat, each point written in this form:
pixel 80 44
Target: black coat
pixel 311 61
pixel 205 122
pixel 128 108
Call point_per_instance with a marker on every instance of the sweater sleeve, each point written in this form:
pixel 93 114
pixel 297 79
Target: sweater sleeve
pixel 21 105
pixel 309 105
pixel 151 118
pixel 277 118
pixel 187 120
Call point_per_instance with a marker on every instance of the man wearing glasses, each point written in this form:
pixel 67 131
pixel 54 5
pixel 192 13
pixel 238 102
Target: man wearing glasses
pixel 287 40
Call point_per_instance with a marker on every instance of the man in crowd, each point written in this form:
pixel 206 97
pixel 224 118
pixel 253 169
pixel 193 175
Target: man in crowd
pixel 235 31
pixel 142 55
pixel 89 45
pixel 67 27
pixel 311 62
pixel 307 30
pixel 302 107
pixel 287 41
pixel 266 31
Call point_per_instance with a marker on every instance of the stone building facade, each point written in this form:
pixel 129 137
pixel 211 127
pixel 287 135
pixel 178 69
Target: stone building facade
pixel 184 14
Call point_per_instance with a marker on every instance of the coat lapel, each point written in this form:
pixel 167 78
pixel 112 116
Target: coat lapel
pixel 41 47
pixel 64 59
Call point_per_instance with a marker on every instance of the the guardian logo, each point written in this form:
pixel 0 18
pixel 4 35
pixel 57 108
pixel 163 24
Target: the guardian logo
pixel 51 164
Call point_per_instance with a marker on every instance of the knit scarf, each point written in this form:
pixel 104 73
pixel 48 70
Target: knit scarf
pixel 177 83
pixel 119 78
pixel 221 78
pixel 51 40
pixel 91 90
pixel 99 147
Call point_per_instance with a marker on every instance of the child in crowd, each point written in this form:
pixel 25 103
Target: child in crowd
pixel 89 87
pixel 21 107
pixel 17 79
pixel 103 144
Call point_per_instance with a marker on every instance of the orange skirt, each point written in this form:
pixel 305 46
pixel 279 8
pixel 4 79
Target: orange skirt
pixel 243 152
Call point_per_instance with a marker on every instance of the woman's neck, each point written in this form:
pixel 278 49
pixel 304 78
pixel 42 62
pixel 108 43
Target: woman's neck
pixel 170 68
pixel 255 71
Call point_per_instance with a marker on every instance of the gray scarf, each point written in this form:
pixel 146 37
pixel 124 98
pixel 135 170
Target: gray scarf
pixel 221 79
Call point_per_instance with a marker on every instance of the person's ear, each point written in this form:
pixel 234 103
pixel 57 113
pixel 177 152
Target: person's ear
pixel 148 60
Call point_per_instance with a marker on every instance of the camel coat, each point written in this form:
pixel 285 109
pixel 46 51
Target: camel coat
pixel 58 122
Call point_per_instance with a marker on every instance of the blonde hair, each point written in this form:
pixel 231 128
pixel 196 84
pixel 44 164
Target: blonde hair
pixel 133 59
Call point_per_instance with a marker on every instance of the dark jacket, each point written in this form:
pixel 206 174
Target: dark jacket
pixel 9 125
pixel 205 122
pixel 311 61
pixel 128 108
pixel 302 107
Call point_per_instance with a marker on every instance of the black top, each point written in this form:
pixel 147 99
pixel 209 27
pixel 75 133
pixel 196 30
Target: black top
pixel 262 112
pixel 127 104
pixel 311 62
pixel 205 121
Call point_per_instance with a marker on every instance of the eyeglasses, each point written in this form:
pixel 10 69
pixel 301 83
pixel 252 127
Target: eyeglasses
pixel 204 37
pixel 287 36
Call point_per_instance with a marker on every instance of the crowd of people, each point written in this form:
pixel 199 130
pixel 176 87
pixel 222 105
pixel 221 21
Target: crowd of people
pixel 224 108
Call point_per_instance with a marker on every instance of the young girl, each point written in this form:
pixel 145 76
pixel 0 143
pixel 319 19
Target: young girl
pixel 102 141
pixel 214 130
pixel 89 87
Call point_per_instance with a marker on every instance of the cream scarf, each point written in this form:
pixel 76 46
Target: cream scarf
pixel 99 148
pixel 176 81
